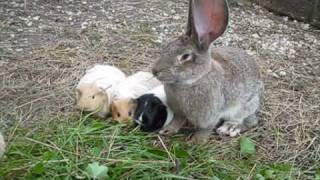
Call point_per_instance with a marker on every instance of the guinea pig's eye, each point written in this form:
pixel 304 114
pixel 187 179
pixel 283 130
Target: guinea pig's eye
pixel 93 97
pixel 118 114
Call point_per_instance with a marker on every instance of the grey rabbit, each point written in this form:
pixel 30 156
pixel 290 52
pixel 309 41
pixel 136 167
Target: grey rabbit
pixel 207 86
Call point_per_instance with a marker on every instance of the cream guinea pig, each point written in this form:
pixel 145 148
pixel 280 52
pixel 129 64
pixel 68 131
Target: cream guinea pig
pixel 95 90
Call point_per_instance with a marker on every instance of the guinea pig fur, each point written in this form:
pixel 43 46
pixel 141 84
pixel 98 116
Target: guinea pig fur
pixel 152 112
pixel 123 110
pixel 136 85
pixel 2 145
pixel 95 90
pixel 91 98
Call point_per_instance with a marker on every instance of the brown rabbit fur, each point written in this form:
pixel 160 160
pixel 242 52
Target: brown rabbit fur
pixel 206 86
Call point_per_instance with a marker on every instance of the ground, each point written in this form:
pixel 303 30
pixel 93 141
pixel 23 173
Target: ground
pixel 45 46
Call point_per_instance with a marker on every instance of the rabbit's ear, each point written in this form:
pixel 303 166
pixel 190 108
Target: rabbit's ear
pixel 207 20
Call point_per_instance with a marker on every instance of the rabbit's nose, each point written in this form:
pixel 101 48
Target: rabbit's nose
pixel 155 72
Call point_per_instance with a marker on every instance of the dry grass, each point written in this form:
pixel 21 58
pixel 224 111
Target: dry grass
pixel 37 83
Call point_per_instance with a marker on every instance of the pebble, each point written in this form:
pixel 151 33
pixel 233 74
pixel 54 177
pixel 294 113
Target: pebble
pixel 255 35
pixel 275 75
pixel 282 73
pixel 305 26
pixel 29 23
pixel 36 18
pixel 69 13
pixel 84 25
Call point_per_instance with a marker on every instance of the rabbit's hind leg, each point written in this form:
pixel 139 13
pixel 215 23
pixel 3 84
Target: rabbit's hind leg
pixel 240 119
pixel 230 128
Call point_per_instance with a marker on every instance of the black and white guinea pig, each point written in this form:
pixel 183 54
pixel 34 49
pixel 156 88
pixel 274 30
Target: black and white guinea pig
pixel 152 112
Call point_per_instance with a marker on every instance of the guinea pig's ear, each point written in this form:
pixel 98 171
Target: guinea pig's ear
pixel 113 110
pixel 78 94
pixel 207 20
pixel 133 102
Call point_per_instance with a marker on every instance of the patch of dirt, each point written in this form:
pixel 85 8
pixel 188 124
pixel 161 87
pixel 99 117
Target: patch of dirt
pixel 45 46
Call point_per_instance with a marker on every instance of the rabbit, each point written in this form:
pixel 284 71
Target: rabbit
pixel 132 87
pixel 152 112
pixel 2 145
pixel 94 91
pixel 209 87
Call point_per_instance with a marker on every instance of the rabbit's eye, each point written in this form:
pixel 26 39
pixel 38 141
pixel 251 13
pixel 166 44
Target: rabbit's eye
pixel 118 114
pixel 185 57
pixel 93 97
pixel 130 113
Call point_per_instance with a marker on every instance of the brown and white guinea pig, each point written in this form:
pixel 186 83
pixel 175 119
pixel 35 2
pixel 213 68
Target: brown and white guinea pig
pixel 94 91
pixel 2 145
pixel 152 111
pixel 123 109
pixel 133 86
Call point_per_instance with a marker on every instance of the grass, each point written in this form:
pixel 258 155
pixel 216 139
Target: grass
pixel 63 151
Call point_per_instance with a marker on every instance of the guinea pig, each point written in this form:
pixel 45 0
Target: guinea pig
pixel 129 89
pixel 123 110
pixel 136 85
pixel 95 90
pixel 152 112
pixel 2 145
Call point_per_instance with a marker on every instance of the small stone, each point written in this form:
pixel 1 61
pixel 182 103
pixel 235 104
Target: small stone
pixel 59 7
pixel 29 23
pixel 69 13
pixel 255 35
pixel 70 18
pixel 19 50
pixel 84 25
pixel 12 35
pixel 12 13
pixel 269 71
pixel 275 75
pixel 285 18
pixel 305 26
pixel 84 2
pixel 176 17
pixel 36 18
pixel 282 73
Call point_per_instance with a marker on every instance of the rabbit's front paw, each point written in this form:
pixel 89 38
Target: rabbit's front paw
pixel 174 126
pixel 200 137
pixel 169 130
pixel 230 128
